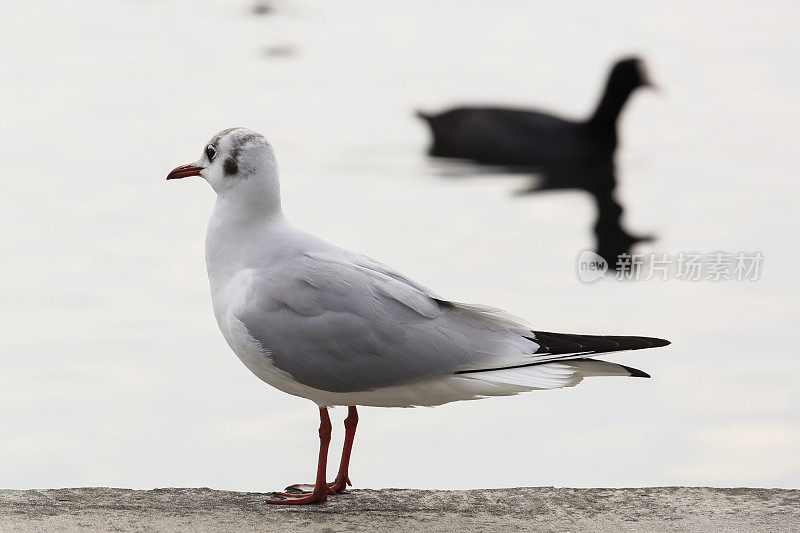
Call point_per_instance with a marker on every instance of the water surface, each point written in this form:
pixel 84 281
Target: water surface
pixel 114 372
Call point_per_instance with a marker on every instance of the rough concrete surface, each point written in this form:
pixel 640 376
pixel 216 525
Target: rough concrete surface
pixel 534 509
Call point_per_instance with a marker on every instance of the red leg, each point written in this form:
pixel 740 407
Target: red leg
pixel 342 478
pixel 320 492
pixel 350 423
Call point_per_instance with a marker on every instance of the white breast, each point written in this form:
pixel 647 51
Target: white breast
pixel 227 299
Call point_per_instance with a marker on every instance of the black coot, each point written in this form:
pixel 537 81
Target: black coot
pixel 518 137
pixel 565 154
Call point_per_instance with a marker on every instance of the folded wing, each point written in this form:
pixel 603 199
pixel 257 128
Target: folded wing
pixel 341 322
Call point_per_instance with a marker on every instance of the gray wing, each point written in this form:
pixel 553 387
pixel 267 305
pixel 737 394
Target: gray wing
pixel 345 323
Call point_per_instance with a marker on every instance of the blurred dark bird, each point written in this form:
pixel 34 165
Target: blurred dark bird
pixel 519 137
pixel 563 153
pixel 262 8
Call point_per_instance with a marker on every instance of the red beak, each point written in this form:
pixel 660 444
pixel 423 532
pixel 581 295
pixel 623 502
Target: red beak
pixel 184 171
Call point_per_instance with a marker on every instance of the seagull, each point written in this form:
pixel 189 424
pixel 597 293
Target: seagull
pixel 341 329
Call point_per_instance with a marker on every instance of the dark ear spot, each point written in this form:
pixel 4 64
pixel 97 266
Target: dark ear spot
pixel 230 167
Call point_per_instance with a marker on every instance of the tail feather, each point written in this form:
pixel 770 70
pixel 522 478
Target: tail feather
pixel 635 372
pixel 543 376
pixel 596 367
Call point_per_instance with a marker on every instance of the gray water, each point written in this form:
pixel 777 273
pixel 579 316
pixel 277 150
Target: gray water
pixel 114 373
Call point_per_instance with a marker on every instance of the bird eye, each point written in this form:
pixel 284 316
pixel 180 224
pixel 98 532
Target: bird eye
pixel 210 152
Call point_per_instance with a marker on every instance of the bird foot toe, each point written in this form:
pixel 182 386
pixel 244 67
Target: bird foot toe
pixel 303 498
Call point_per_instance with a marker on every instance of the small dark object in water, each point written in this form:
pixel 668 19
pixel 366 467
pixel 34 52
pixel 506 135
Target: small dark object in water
pixel 279 51
pixel 262 8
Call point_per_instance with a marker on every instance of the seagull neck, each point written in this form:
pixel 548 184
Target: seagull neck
pixel 238 236
pixel 235 222
pixel 242 212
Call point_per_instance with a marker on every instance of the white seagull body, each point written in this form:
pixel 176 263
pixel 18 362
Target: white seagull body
pixel 336 327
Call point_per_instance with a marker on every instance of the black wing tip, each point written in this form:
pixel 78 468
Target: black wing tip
pixel 640 343
pixel 635 372
pixel 558 343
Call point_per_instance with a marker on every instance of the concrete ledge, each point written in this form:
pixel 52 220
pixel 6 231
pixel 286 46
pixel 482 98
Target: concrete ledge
pixel 540 509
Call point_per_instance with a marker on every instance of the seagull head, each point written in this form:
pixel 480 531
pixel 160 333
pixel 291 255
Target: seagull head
pixel 240 166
